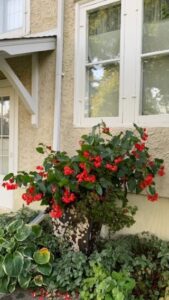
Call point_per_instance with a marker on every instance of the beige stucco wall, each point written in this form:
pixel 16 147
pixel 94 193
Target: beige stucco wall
pixel 43 15
pixel 28 136
pixel 151 216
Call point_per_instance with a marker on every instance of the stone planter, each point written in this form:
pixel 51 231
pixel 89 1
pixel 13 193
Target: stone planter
pixel 81 234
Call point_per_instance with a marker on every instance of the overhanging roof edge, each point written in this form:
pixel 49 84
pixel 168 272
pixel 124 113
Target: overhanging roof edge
pixel 27 45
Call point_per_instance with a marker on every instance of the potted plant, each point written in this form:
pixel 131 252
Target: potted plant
pixel 89 189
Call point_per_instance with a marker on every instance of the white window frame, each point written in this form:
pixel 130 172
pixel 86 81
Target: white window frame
pixel 7 197
pixel 25 29
pixel 130 66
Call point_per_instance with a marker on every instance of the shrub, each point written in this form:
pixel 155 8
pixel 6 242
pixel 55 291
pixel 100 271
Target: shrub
pixel 96 180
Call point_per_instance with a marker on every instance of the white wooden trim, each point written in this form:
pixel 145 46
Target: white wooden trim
pixel 17 84
pixel 35 88
pixel 27 45
pixel 25 29
pixel 6 197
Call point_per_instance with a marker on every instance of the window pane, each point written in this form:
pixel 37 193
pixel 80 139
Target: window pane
pixel 4 134
pixel 104 34
pixel 155 86
pixel 156 25
pixel 13 14
pixel 103 91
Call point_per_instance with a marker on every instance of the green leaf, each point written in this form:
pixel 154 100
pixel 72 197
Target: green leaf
pixel 14 226
pixel 4 285
pixel 12 285
pixel 40 150
pixel 36 230
pixel 2 272
pixel 13 264
pixel 38 280
pixel 45 269
pixel 99 189
pixel 29 251
pixel 23 233
pixel 132 184
pixel 24 280
pixel 42 256
pixel 8 176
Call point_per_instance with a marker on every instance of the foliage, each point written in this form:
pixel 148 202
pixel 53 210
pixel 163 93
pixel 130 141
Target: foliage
pixel 97 180
pixel 23 260
pixel 102 285
pixel 144 257
pixel 68 272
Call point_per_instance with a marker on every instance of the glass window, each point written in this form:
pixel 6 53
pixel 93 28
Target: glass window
pixel 102 67
pixel 155 65
pixel 4 134
pixel 12 15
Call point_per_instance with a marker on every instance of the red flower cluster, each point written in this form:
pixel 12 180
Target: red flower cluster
pixel 68 171
pixel 68 197
pixel 97 161
pixel 10 185
pixel 41 171
pixel 140 147
pixel 118 160
pixel 144 135
pixel 30 195
pixel 152 197
pixel 161 171
pixel 112 168
pixel 147 181
pixel 56 211
pixel 85 176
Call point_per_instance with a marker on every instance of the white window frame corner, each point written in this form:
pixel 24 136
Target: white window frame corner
pixel 20 32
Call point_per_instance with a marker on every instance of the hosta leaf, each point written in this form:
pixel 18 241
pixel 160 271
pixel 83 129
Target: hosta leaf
pixel 45 269
pixel 38 280
pixel 13 264
pixel 42 256
pixel 4 285
pixel 23 233
pixel 14 226
pixel 2 272
pixel 24 280
pixel 36 230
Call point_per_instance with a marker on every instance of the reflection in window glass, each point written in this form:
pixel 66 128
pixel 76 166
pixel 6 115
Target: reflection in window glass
pixel 4 134
pixel 103 91
pixel 156 25
pixel 104 34
pixel 13 10
pixel 155 86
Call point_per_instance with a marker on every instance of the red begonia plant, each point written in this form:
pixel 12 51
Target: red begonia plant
pixel 96 180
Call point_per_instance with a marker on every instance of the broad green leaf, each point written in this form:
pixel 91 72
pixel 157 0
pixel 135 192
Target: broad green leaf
pixel 36 230
pixel 24 280
pixel 13 264
pixel 42 256
pixel 45 269
pixel 8 176
pixel 2 273
pixel 4 285
pixel 14 226
pixel 23 232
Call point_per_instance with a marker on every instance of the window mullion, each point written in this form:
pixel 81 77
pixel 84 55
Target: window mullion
pixel 128 68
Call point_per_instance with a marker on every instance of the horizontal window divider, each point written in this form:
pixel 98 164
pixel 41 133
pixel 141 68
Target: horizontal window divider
pixel 155 53
pixel 103 62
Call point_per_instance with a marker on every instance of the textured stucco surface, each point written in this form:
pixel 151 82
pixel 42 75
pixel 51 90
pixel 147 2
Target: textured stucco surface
pixel 28 136
pixel 159 137
pixel 43 15
pixel 150 216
